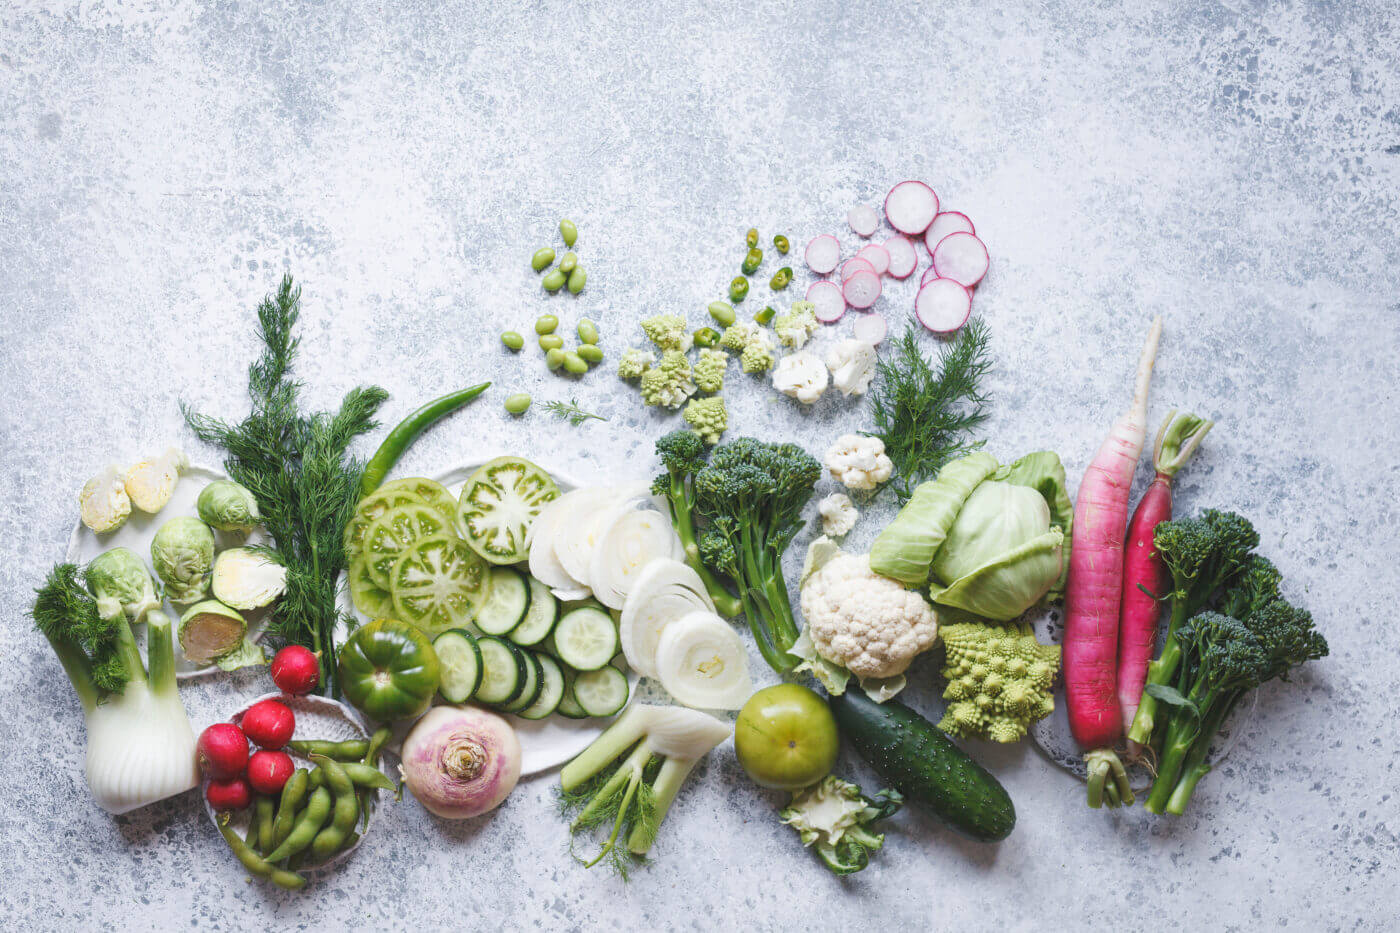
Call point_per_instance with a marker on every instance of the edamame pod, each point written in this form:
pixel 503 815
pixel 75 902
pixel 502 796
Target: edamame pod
pixel 574 363
pixel 553 281
pixel 567 264
pixel 363 775
pixel 307 825
pixel 551 341
pixel 516 404
pixel 349 750
pixel 262 818
pixel 542 258
pixel 293 793
pixel 589 353
pixel 554 358
pixel 256 864
pixel 722 312
pixel 376 744
pixel 752 261
pixel 512 340
pixel 344 814
pixel 577 279
pixel 568 231
pixel 738 289
pixel 587 331
pixel 780 243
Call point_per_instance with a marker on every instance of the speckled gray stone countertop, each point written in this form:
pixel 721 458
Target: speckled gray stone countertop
pixel 1235 168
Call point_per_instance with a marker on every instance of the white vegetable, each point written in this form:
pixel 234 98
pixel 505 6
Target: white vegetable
pixel 151 483
pixel 800 375
pixel 581 528
pixel 702 663
pixel 858 462
pixel 838 514
pixel 634 539
pixel 665 590
pixel 852 365
pixel 247 579
pixel 544 564
pixel 103 503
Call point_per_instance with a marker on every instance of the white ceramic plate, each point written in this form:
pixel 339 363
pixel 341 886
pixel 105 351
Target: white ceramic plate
pixel 136 534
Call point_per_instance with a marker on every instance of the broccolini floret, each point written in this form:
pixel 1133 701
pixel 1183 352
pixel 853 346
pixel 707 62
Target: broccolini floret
pixel 999 678
pixel 708 417
pixel 668 332
pixel 634 363
pixel 709 371
pixel 683 454
pixel 797 325
pixel 668 383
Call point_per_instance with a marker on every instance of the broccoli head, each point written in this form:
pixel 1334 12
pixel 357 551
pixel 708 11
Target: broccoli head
pixel 1000 680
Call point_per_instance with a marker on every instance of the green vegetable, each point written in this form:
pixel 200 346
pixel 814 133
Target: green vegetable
pixel 568 263
pixel 553 280
pixel 345 810
pixel 389 670
pixel 209 630
pixel 589 353
pixel 407 431
pixel 754 345
pixel 577 280
pixel 554 358
pixel 227 506
pixel 709 371
pixel 256 864
pixel 546 324
pixel 925 766
pixel 799 324
pixel 988 539
pixel 587 331
pixel 1000 680
pixel 707 417
pixel 498 505
pixel 574 363
pixel 182 553
pixel 722 312
pixel 683 455
pixel 347 750
pixel 780 243
pixel 308 823
pixel 512 340
pixel 551 342
pixel 668 383
pixel 751 238
pixel 542 258
pixel 122 585
pixel 765 315
pixel 752 260
pixel 518 403
pixel 438 583
pixel 634 363
pixel 262 823
pixel 667 331
pixel 836 817
pixel 781 279
pixel 738 289
pixel 248 578
pixel 706 337
pixel 924 416
pixel 568 232
pixel 293 793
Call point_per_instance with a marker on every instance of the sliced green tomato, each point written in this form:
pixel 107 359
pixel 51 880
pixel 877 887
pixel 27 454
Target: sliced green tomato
pixel 428 491
pixel 389 535
pixel 438 583
pixel 460 659
pixel 367 595
pixel 499 504
pixel 371 507
pixel 602 692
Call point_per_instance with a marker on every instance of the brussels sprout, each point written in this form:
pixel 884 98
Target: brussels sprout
pixel 227 506
pixel 151 483
pixel 183 553
pixel 121 584
pixel 245 578
pixel 103 503
pixel 210 630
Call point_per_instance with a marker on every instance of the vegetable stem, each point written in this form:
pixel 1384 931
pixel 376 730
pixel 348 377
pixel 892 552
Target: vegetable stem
pixel 160 653
pixel 78 668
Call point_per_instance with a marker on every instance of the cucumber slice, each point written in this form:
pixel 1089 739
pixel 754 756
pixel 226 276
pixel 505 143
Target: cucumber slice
pixel 568 706
pixel 366 594
pixel 389 535
pixel 551 689
pixel 602 692
pixel 539 618
pixel 586 639
pixel 498 505
pixel 530 691
pixel 507 604
pixel 371 507
pixel 460 661
pixel 502 670
pixel 429 492
pixel 438 583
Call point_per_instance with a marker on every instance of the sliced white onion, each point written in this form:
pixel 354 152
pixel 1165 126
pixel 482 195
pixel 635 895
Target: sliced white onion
pixel 544 565
pixel 580 528
pixel 701 662
pixel 634 539
pixel 664 591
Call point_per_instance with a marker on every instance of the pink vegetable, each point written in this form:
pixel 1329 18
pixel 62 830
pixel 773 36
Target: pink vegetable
pixel 863 220
pixel 1093 593
pixel 910 207
pixel 877 256
pixel 943 305
pixel 830 303
pixel 929 275
pixel 903 259
pixel 870 328
pixel 862 289
pixel 460 761
pixel 961 257
pixel 945 223
pixel 823 253
pixel 853 265
pixel 223 751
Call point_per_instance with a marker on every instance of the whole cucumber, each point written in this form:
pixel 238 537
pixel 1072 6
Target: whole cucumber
pixel 922 763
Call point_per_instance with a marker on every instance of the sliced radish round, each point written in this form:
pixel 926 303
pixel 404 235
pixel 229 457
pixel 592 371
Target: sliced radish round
pixel 877 256
pixel 903 259
pixel 961 257
pixel 863 219
pixel 856 264
pixel 870 328
pixel 929 275
pixel 823 254
pixel 862 289
pixel 910 207
pixel 830 303
pixel 943 306
pixel 947 222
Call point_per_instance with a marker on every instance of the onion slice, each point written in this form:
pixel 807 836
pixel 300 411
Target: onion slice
pixel 635 538
pixel 702 663
pixel 664 591
pixel 579 530
pixel 544 565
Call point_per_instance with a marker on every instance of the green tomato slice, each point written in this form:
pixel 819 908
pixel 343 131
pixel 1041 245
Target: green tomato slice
pixel 367 595
pixel 498 505
pixel 389 535
pixel 438 583
pixel 428 491
pixel 371 507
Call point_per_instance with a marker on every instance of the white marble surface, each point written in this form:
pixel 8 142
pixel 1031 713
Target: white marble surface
pixel 1234 168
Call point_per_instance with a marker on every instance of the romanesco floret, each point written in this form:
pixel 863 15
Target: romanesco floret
pixel 738 336
pixel 668 383
pixel 797 325
pixel 668 332
pixel 754 345
pixel 708 417
pixel 709 370
pixel 634 363
pixel 999 680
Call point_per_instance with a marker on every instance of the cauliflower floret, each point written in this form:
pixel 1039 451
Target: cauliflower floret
pixel 151 483
pixel 838 514
pixel 868 624
pixel 668 383
pixel 801 375
pixel 753 344
pixel 708 417
pixel 797 325
pixel 634 363
pixel 668 332
pixel 103 503
pixel 1000 680
pixel 858 462
pixel 852 365
pixel 709 370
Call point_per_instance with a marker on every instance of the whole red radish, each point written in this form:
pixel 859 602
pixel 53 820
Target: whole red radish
pixel 268 771
pixel 231 794
pixel 223 751
pixel 296 671
pixel 269 724
pixel 1145 578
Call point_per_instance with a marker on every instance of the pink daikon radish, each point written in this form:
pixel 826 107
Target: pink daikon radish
pixel 903 259
pixel 910 207
pixel 830 303
pixel 947 222
pixel 862 289
pixel 870 328
pixel 823 254
pixel 943 306
pixel 863 219
pixel 961 257
pixel 853 265
pixel 877 256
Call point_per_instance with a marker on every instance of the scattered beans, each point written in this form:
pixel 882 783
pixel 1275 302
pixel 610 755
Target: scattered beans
pixel 256 864
pixel 546 324
pixel 554 358
pixel 567 264
pixel 780 243
pixel 577 279
pixel 553 280
pixel 349 750
pixel 516 404
pixel 587 331
pixel 574 363
pixel 722 312
pixel 512 340
pixel 568 231
pixel 551 341
pixel 344 814
pixel 542 258
pixel 589 353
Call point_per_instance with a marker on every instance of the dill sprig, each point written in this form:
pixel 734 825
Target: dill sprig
pixel 923 415
pixel 298 468
pixel 571 412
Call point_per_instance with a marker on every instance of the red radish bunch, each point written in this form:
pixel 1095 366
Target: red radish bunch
pixel 296 671
pixel 269 770
pixel 231 794
pixel 223 751
pixel 269 724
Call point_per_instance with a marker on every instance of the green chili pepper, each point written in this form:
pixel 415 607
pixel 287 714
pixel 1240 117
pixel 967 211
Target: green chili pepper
pixel 722 312
pixel 752 261
pixel 752 237
pixel 780 279
pixel 293 793
pixel 587 331
pixel 307 825
pixel 766 315
pixel 371 759
pixel 551 341
pixel 568 231
pixel 553 281
pixel 542 258
pixel 577 279
pixel 512 340
pixel 706 337
pixel 567 264
pixel 780 243
pixel 738 289
pixel 349 750
pixel 408 430
pixel 344 814
pixel 256 864
pixel 589 353
pixel 518 403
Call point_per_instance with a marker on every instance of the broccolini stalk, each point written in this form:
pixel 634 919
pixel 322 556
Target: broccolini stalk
pixel 683 453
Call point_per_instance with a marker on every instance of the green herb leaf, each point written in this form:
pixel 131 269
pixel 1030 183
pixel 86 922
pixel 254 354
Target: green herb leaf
pixel 1172 697
pixel 571 412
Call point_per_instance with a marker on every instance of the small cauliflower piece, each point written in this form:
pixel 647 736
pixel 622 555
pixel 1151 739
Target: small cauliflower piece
pixel 668 332
pixel 801 375
pixel 868 624
pixel 151 483
pixel 1000 680
pixel 669 382
pixel 858 462
pixel 838 514
pixel 104 504
pixel 852 365
pixel 709 371
pixel 797 325
pixel 708 417
pixel 634 364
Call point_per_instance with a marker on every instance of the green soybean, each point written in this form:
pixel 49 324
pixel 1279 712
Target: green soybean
pixel 551 341
pixel 752 237
pixel 263 813
pixel 589 353
pixel 307 825
pixel 722 312
pixel 575 364
pixel 738 289
pixel 293 793
pixel 363 775
pixel 368 794
pixel 516 404
pixel 706 337
pixel 567 264
pixel 344 814
pixel 766 315
pixel 780 243
pixel 568 231
pixel 349 750
pixel 553 281
pixel 546 324
pixel 256 864
pixel 512 340
pixel 577 279
pixel 752 261
pixel 780 279
pixel 554 358
pixel 587 331
pixel 542 258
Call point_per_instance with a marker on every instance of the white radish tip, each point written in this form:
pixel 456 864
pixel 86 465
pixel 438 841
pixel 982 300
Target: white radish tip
pixel 863 220
pixel 943 305
pixel 903 258
pixel 945 223
pixel 862 289
pixel 961 257
pixel 853 265
pixel 823 254
pixel 910 207
pixel 877 256
pixel 829 303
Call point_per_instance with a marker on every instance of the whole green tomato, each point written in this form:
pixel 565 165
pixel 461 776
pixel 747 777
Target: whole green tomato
pixel 389 670
pixel 786 737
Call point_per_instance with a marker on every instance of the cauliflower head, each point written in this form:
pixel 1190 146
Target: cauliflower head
pixel 668 332
pixel 797 325
pixel 999 681
pixel 708 417
pixel 858 462
pixel 668 383
pixel 852 365
pixel 868 624
pixel 709 371
pixel 838 514
pixel 634 363
pixel 801 375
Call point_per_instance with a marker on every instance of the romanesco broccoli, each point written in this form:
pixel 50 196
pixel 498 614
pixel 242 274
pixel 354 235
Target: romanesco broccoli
pixel 709 370
pixel 754 345
pixel 708 417
pixel 668 332
pixel 999 680
pixel 737 336
pixel 668 383
pixel 634 363
pixel 797 325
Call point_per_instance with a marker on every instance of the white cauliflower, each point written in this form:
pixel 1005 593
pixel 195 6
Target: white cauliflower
pixel 801 376
pixel 151 483
pixel 838 514
pixel 103 503
pixel 858 462
pixel 852 365
pixel 868 624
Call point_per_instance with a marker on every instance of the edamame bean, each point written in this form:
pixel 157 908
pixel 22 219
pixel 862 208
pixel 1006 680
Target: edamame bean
pixel 307 825
pixel 722 312
pixel 752 261
pixel 738 289
pixel 349 750
pixel 542 258
pixel 574 363
pixel 589 353
pixel 512 340
pixel 766 315
pixel 553 281
pixel 752 237
pixel 706 337
pixel 363 775
pixel 516 404
pixel 344 814
pixel 568 231
pixel 551 341
pixel 780 279
pixel 293 793
pixel 554 358
pixel 369 794
pixel 577 279
pixel 587 331
pixel 567 264
pixel 256 864
pixel 262 818
pixel 546 324
pixel 780 243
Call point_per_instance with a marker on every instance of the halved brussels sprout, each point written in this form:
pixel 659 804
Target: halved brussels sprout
pixel 228 506
pixel 121 583
pixel 182 553
pixel 103 503
pixel 151 483
pixel 210 630
pixel 245 578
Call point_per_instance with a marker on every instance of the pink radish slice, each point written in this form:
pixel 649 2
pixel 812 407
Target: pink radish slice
pixel 863 219
pixel 855 264
pixel 943 306
pixel 961 257
pixel 903 259
pixel 910 207
pixel 823 254
pixel 830 303
pixel 877 256
pixel 944 224
pixel 870 328
pixel 862 289
pixel 929 275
